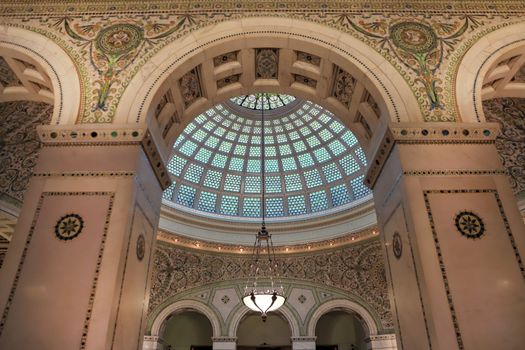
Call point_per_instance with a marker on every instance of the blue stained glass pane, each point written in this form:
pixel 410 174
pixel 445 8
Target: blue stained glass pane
pixel 361 155
pixel 274 207
pixel 324 118
pixel 229 205
pixel 349 138
pixel 288 164
pixel 313 141
pixel 207 201
pixel 203 155
pixel 285 150
pixel 212 179
pixel 188 148
pixel 254 166
pixel 325 135
pixel 312 178
pixel 236 164
pixel 359 188
pixel 318 201
pixel 185 196
pixel 252 184
pixel 251 207
pixel 305 160
pixel 209 125
pixel 298 123
pixel 299 146
pixel 281 138
pixel 176 165
pixel 201 118
pixel 349 164
pixel 322 155
pixel 340 195
pixel 178 142
pixel 336 147
pixel 194 173
pixel 305 131
pixel 225 147
pixel 231 135
pixel 331 172
pixel 273 184
pixel 212 142
pixel 219 131
pixel 243 138
pixel 236 127
pixel 232 183
pixel 239 150
pixel 270 151
pixel 272 165
pixel 288 127
pixel 168 192
pixel 269 139
pixel 294 135
pixel 296 205
pixel 293 182
pixel 219 160
pixel 315 125
pixel 336 127
pixel 199 135
pixel 255 151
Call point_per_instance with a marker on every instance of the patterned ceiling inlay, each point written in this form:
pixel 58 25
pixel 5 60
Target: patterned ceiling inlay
pixel 140 248
pixel 225 58
pixel 225 299
pixel 509 113
pixel 69 227
pixel 313 162
pixel 344 85
pixel 190 86
pixel 19 144
pixel 266 63
pixel 7 76
pixel 228 80
pixel 356 269
pixel 301 299
pixel 305 80
pixel 469 224
pixel 308 58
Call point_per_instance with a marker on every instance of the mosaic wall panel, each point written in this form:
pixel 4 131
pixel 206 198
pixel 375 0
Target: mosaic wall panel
pixel 358 270
pixel 510 114
pixel 19 145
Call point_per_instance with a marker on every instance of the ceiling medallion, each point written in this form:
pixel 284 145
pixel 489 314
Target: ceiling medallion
pixel 469 224
pixel 69 226
pixel 141 247
pixel 119 38
pixel 397 245
pixel 413 37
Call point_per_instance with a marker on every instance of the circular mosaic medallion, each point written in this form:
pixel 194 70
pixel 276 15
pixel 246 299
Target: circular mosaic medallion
pixel 141 247
pixel 397 245
pixel 469 224
pixel 118 39
pixel 413 37
pixel 69 226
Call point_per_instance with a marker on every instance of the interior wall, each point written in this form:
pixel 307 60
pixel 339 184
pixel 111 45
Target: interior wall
pixel 342 329
pixel 186 329
pixel 253 332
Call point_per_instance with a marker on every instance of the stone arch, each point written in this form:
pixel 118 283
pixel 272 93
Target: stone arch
pixel 371 326
pixel 487 67
pixel 241 312
pixel 51 75
pixel 192 57
pixel 160 320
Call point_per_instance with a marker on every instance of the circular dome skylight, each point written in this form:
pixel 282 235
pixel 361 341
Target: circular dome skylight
pixel 264 101
pixel 313 162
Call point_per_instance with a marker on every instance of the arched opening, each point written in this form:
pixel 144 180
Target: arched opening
pixel 187 329
pixel 253 334
pixel 340 330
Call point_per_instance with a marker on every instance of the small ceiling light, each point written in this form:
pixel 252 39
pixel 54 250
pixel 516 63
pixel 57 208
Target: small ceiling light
pixel 264 265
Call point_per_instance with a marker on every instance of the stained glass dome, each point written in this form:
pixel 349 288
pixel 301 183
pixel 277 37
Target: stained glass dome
pixel 313 162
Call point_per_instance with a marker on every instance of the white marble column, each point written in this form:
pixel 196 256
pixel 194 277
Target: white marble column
pixel 153 343
pixel 224 343
pixel 453 235
pixel 76 273
pixel 303 343
pixel 381 342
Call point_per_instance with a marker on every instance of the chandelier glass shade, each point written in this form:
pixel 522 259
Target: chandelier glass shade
pixel 264 267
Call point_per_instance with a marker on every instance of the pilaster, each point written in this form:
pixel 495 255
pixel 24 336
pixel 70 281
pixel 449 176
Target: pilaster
pixel 453 235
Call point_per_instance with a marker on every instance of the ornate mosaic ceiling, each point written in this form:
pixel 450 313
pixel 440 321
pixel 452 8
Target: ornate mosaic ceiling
pixel 313 162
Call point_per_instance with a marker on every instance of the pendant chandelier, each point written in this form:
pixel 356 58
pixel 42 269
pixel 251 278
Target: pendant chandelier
pixel 268 297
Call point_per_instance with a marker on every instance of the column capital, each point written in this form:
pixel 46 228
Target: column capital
pixel 426 134
pixel 304 339
pixel 224 339
pixel 381 341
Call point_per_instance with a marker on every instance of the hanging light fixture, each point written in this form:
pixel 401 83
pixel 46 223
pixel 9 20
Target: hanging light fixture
pixel 268 298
